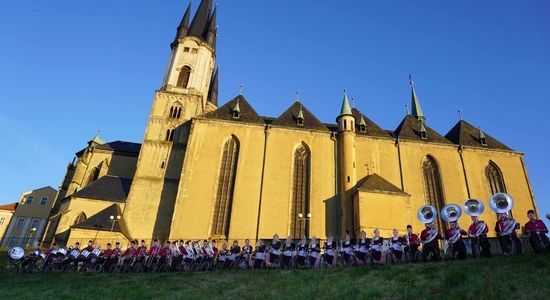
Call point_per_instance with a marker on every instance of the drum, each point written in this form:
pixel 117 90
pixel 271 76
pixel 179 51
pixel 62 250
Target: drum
pixel 16 253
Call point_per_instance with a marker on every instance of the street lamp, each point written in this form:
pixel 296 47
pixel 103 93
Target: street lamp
pixel 32 231
pixel 113 220
pixel 305 219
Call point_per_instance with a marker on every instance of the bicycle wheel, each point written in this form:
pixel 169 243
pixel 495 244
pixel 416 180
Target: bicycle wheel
pixel 11 268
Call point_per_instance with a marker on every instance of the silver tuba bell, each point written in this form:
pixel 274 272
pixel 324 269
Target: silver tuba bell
pixel 426 214
pixel 501 203
pixel 473 207
pixel 451 213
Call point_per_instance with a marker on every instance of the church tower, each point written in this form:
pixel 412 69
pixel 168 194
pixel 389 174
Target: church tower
pixel 346 161
pixel 189 89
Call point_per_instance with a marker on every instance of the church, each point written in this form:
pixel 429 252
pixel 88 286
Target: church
pixel 219 170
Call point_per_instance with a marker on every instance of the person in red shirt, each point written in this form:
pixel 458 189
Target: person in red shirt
pixel 155 249
pixel 108 251
pixel 429 237
pixel 537 233
pixel 454 237
pixel 131 251
pixel 412 243
pixel 142 249
pixel 506 230
pixel 478 237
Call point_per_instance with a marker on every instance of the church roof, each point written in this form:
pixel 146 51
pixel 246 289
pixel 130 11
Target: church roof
pixel 102 221
pixel 290 116
pixel 410 127
pixel 108 187
pixel 376 183
pixel 121 146
pixel 371 128
pixel 465 134
pixel 225 112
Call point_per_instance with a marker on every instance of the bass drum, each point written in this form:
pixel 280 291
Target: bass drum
pixel 16 253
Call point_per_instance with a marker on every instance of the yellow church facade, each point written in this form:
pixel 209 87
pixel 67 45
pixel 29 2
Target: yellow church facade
pixel 205 170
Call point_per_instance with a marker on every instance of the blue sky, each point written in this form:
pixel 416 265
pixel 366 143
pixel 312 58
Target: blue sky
pixel 69 68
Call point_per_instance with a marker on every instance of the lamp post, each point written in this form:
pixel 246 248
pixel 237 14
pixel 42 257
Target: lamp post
pixel 98 227
pixel 305 219
pixel 32 231
pixel 113 220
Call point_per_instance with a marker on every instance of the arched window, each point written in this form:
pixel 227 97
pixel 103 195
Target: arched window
pixel 299 212
pixel 183 78
pixel 175 112
pixel 80 218
pixel 93 175
pixel 433 190
pixel 495 180
pixel 226 183
pixel 170 134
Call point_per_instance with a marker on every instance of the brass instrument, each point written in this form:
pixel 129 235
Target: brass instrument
pixel 502 203
pixel 427 215
pixel 474 208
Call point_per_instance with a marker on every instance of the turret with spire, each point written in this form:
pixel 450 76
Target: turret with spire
pixel 416 110
pixel 346 160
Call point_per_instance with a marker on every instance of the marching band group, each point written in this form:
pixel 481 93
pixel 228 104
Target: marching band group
pixel 191 255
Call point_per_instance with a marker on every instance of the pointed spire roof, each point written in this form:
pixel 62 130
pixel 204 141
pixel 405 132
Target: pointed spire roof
pixel 199 25
pixel 97 140
pixel 213 92
pixel 410 129
pixel 372 129
pixel 225 112
pixel 346 108
pixel 416 110
pixel 465 134
pixel 212 29
pixel 290 116
pixel 183 28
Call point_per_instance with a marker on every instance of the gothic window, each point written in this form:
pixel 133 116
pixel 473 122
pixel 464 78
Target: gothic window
pixel 170 134
pixel 93 175
pixel 226 183
pixel 495 180
pixel 433 190
pixel 80 218
pixel 175 112
pixel 183 78
pixel 299 213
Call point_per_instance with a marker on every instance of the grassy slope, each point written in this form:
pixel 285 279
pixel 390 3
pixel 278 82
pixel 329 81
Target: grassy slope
pixel 527 276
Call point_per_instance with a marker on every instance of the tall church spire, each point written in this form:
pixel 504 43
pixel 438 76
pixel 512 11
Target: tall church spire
pixel 416 110
pixel 183 28
pixel 199 25
pixel 213 93
pixel 212 29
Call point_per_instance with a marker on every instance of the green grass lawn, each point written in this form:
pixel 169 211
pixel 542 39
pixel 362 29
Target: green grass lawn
pixel 521 277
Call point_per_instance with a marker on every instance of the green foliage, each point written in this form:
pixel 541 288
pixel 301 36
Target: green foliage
pixel 523 276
